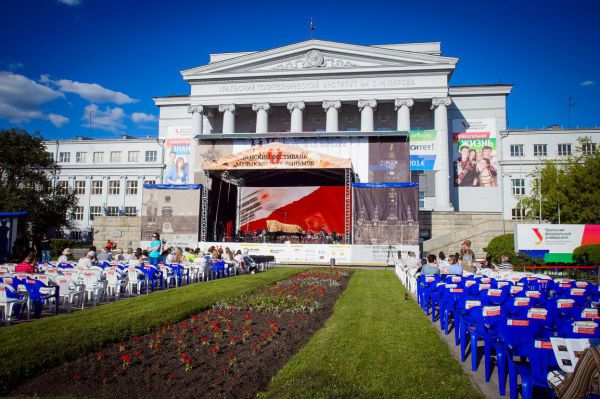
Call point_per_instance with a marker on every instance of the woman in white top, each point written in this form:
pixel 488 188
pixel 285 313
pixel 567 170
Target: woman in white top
pixel 66 254
pixel 86 261
pixel 443 263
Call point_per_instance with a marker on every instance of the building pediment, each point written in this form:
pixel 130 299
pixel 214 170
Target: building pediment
pixel 319 57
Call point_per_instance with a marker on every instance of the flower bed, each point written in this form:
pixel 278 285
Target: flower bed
pixel 231 350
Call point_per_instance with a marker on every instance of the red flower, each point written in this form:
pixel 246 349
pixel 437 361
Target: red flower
pixel 126 358
pixel 136 339
pixel 138 352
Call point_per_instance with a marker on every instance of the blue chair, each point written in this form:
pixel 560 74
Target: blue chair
pixel 540 361
pixel 38 298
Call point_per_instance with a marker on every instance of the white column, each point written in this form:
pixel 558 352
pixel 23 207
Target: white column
pixel 296 109
pixel 262 117
pixel 403 106
pixel 442 174
pixel 366 108
pixel 197 112
pixel 228 111
pixel 332 107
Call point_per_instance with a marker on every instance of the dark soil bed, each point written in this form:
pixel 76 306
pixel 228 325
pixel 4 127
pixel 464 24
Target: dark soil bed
pixel 225 353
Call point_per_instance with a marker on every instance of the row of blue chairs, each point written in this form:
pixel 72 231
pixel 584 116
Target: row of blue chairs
pixel 513 319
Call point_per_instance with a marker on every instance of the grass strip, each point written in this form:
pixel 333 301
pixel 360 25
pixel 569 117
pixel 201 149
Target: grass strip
pixel 28 348
pixel 375 345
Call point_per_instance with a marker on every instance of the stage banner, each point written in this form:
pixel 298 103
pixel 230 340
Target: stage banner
pixel 476 162
pixel 209 150
pixel 277 156
pixel 389 159
pixel 172 211
pixel 386 213
pixel 177 168
pixel 422 149
pixel 293 210
pixel 554 242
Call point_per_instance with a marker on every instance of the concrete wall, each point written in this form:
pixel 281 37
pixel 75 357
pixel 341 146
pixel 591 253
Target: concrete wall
pixel 119 229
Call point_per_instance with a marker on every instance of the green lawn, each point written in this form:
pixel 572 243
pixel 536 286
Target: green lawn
pixel 376 345
pixel 27 348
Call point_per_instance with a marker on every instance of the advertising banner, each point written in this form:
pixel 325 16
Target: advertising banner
pixel 388 159
pixel 177 169
pixel 277 156
pixel 422 149
pixel 476 162
pixel 385 214
pixel 293 210
pixel 173 211
pixel 554 242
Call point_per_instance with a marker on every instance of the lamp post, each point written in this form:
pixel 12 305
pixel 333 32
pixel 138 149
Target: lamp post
pixel 540 187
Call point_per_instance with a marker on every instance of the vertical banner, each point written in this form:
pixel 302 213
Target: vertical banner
pixel 177 168
pixel 173 211
pixel 422 149
pixel 386 213
pixel 476 162
pixel 388 159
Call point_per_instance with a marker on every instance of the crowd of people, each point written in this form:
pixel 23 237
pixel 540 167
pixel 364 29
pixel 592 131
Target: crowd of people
pixel 453 264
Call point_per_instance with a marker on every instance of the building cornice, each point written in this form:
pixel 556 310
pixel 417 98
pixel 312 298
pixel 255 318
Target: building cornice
pixel 478 90
pixel 308 135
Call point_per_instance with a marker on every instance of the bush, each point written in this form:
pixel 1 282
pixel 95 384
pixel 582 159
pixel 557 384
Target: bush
pixel 587 254
pixel 59 244
pixel 501 245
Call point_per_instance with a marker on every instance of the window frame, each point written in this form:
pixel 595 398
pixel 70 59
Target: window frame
pixel 80 189
pixel 131 189
pixel 517 154
pixel 561 147
pixel 129 156
pixel 115 156
pixel 151 156
pixel 64 157
pixel 537 153
pixel 114 187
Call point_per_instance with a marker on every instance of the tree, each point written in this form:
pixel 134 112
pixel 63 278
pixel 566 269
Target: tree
pixel 28 182
pixel 573 185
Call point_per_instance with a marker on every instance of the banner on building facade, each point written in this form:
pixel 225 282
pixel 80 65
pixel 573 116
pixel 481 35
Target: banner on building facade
pixel 475 158
pixel 389 159
pixel 554 242
pixel 308 209
pixel 178 161
pixel 385 214
pixel 422 149
pixel 173 211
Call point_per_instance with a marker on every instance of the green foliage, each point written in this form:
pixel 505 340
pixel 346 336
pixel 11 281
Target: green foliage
pixel 27 171
pixel 375 345
pixel 587 254
pixel 501 245
pixel 30 348
pixel 59 244
pixel 573 184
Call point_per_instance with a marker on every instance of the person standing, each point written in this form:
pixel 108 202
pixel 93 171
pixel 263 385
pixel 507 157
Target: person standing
pixel 45 248
pixel 154 249
pixel 467 256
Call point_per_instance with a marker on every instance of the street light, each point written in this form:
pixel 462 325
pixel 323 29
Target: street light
pixel 540 187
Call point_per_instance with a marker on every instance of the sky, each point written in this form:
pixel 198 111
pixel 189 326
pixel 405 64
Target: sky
pixel 61 60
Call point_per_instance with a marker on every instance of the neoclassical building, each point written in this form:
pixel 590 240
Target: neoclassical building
pixel 328 90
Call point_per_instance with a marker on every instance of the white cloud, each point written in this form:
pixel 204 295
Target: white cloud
pixel 92 92
pixel 110 119
pixel 70 2
pixel 21 98
pixel 140 117
pixel 587 83
pixel 58 120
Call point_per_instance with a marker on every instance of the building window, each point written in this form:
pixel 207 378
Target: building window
pixel 518 186
pixel 114 187
pixel 564 150
pixel 80 187
pixel 80 157
pixel 62 186
pixel 64 157
pixel 149 181
pixel 540 150
pixel 95 211
pixel 517 214
pixel 112 211
pixel 516 150
pixel 150 156
pixel 96 187
pixel 98 157
pixel 588 148
pixel 78 213
pixel 132 187
pixel 130 211
pixel 133 156
pixel 115 156
pixel 421 199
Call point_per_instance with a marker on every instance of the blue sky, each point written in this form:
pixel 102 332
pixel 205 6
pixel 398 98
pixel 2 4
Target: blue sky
pixel 61 59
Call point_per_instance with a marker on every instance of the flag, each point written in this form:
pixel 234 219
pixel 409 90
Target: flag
pixel 312 26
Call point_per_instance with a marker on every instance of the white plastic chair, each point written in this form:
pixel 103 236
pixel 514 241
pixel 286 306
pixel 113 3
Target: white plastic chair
pixel 7 303
pixel 136 279
pixel 70 292
pixel 114 284
pixel 94 288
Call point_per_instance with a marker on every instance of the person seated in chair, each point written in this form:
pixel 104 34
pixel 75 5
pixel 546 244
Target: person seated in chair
pixel 431 267
pixel 454 267
pixel 28 265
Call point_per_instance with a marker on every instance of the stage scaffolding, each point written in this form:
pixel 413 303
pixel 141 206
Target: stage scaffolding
pixel 347 206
